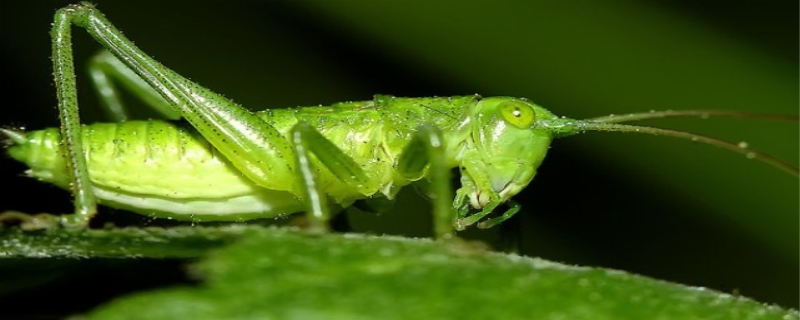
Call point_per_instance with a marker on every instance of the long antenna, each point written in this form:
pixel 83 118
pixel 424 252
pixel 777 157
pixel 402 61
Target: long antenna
pixel 595 125
pixel 690 113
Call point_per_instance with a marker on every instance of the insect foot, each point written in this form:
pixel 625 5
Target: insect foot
pixel 30 222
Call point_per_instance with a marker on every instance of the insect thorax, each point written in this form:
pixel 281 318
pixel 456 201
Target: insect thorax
pixel 374 134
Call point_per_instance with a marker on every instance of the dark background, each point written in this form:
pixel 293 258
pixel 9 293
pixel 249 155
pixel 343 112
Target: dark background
pixel 668 209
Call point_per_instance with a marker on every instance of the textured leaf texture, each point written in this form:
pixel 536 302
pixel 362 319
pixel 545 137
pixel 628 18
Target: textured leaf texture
pixel 266 273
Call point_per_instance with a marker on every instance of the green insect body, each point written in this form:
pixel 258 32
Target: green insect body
pixel 489 138
pixel 224 162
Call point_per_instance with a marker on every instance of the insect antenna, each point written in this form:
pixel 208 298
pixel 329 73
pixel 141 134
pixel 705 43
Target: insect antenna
pixel 608 124
pixel 617 118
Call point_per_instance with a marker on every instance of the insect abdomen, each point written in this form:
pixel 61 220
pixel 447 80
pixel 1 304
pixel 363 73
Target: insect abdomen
pixel 152 167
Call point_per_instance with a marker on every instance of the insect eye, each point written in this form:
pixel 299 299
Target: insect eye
pixel 517 114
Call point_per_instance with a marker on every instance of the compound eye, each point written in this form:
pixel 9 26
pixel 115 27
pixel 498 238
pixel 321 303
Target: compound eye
pixel 518 114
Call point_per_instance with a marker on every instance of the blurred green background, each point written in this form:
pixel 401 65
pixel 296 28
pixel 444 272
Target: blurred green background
pixel 668 209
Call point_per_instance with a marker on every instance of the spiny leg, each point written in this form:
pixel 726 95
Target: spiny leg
pixel 72 144
pixel 307 140
pixel 105 70
pixel 427 149
pixel 253 146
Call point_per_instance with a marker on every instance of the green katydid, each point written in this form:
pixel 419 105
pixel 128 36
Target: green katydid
pixel 231 164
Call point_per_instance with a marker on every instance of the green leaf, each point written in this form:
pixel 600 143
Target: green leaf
pixel 153 242
pixel 282 273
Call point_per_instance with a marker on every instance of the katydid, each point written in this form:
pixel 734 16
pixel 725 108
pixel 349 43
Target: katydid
pixel 224 162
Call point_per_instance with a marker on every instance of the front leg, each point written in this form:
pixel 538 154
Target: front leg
pixel 427 149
